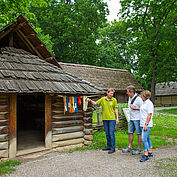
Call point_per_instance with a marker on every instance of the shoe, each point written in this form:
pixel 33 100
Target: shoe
pixel 106 149
pixel 137 151
pixel 127 149
pixel 111 151
pixel 149 155
pixel 144 158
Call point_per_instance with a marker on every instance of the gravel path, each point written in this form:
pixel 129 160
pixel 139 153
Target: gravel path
pixel 93 163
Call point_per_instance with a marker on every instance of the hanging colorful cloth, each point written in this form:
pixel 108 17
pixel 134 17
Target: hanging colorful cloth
pixel 85 103
pixel 78 100
pixel 75 104
pixel 70 104
pixel 65 106
pixel 67 103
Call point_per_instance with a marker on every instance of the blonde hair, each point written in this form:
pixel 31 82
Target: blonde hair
pixel 146 94
pixel 110 90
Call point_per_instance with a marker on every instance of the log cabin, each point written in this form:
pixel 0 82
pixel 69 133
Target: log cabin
pixel 32 88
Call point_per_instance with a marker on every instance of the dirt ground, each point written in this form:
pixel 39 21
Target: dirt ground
pixel 98 163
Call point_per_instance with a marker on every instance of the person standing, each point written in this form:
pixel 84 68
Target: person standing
pixel 146 123
pixel 134 102
pixel 110 118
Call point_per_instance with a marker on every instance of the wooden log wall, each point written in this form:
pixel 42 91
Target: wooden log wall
pixel 4 125
pixel 88 130
pixel 68 128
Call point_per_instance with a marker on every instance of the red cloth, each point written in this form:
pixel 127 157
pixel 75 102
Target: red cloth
pixel 79 100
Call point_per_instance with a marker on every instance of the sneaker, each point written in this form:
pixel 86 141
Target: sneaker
pixel 106 149
pixel 111 151
pixel 127 149
pixel 144 158
pixel 137 151
pixel 150 155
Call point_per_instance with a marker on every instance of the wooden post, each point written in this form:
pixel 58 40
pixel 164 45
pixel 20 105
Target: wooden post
pixel 48 122
pixel 13 126
pixel 11 39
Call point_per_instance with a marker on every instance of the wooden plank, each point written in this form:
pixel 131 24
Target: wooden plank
pixel 71 122
pixel 48 122
pixel 88 137
pixel 4 122
pixel 3 145
pixel 67 129
pixel 4 129
pixel 67 142
pixel 4 115
pixel 68 119
pixel 13 126
pixel 67 116
pixel 3 108
pixel 88 131
pixel 11 39
pixel 3 137
pixel 3 153
pixel 67 136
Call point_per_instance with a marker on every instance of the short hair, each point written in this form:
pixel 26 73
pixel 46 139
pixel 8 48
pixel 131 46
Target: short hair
pixel 110 90
pixel 146 93
pixel 131 88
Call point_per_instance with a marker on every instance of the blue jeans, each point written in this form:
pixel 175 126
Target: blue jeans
pixel 109 127
pixel 146 139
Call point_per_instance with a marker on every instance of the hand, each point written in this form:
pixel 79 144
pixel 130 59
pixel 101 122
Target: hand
pixel 117 121
pixel 88 99
pixel 131 106
pixel 145 127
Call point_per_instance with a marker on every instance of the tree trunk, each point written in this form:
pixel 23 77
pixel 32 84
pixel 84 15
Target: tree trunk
pixel 154 76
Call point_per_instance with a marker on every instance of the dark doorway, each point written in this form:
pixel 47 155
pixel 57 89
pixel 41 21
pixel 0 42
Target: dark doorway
pixel 30 121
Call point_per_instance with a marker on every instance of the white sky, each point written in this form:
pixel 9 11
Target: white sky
pixel 114 6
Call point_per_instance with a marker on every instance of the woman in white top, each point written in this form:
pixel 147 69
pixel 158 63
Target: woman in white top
pixel 146 123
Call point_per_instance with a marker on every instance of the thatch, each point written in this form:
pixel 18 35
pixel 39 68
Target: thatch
pixel 22 72
pixel 166 88
pixel 102 77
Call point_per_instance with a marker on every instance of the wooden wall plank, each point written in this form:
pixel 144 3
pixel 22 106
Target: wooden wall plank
pixel 13 126
pixel 48 122
pixel 67 129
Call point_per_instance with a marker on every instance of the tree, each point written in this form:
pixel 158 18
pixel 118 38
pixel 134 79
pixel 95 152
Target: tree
pixel 11 9
pixel 73 26
pixel 153 25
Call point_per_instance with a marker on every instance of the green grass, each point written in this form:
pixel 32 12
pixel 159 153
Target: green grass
pixel 7 166
pixel 169 111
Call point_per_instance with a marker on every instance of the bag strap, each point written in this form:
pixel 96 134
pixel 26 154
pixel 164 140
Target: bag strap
pixel 134 99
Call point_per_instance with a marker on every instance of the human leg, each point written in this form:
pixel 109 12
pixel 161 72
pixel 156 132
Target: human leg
pixel 112 124
pixel 106 129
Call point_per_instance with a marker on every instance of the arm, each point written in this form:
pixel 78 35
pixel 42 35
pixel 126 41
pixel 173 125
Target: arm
pixel 134 108
pixel 91 101
pixel 147 121
pixel 117 117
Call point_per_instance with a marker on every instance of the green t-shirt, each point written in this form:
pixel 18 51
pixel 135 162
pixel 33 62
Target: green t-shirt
pixel 108 111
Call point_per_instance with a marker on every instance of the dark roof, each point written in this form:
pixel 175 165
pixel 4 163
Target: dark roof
pixel 24 37
pixel 165 88
pixel 102 77
pixel 22 72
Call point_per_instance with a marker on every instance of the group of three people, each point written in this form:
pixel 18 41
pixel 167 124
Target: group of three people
pixel 141 114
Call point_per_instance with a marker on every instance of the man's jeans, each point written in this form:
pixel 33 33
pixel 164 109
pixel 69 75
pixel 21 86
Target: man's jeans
pixel 146 139
pixel 109 127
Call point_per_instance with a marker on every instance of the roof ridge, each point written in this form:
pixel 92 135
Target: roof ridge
pixel 92 66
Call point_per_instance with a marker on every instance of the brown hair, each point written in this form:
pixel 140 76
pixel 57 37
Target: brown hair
pixel 110 90
pixel 131 88
pixel 146 94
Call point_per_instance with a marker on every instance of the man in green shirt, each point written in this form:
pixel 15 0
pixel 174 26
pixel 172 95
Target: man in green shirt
pixel 109 116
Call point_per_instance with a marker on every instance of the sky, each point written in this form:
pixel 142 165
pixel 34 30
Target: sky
pixel 114 6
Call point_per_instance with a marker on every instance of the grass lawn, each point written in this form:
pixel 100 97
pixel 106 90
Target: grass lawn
pixel 169 111
pixel 7 166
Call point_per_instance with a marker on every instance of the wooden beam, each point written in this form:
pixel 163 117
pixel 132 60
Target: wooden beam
pixel 26 39
pixel 13 126
pixel 48 122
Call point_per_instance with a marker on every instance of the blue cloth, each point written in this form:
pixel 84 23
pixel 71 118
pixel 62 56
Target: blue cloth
pixel 109 127
pixel 67 103
pixel 75 104
pixel 146 139
pixel 134 124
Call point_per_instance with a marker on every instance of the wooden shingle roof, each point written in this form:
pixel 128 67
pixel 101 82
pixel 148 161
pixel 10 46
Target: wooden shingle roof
pixel 102 77
pixel 166 88
pixel 22 72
